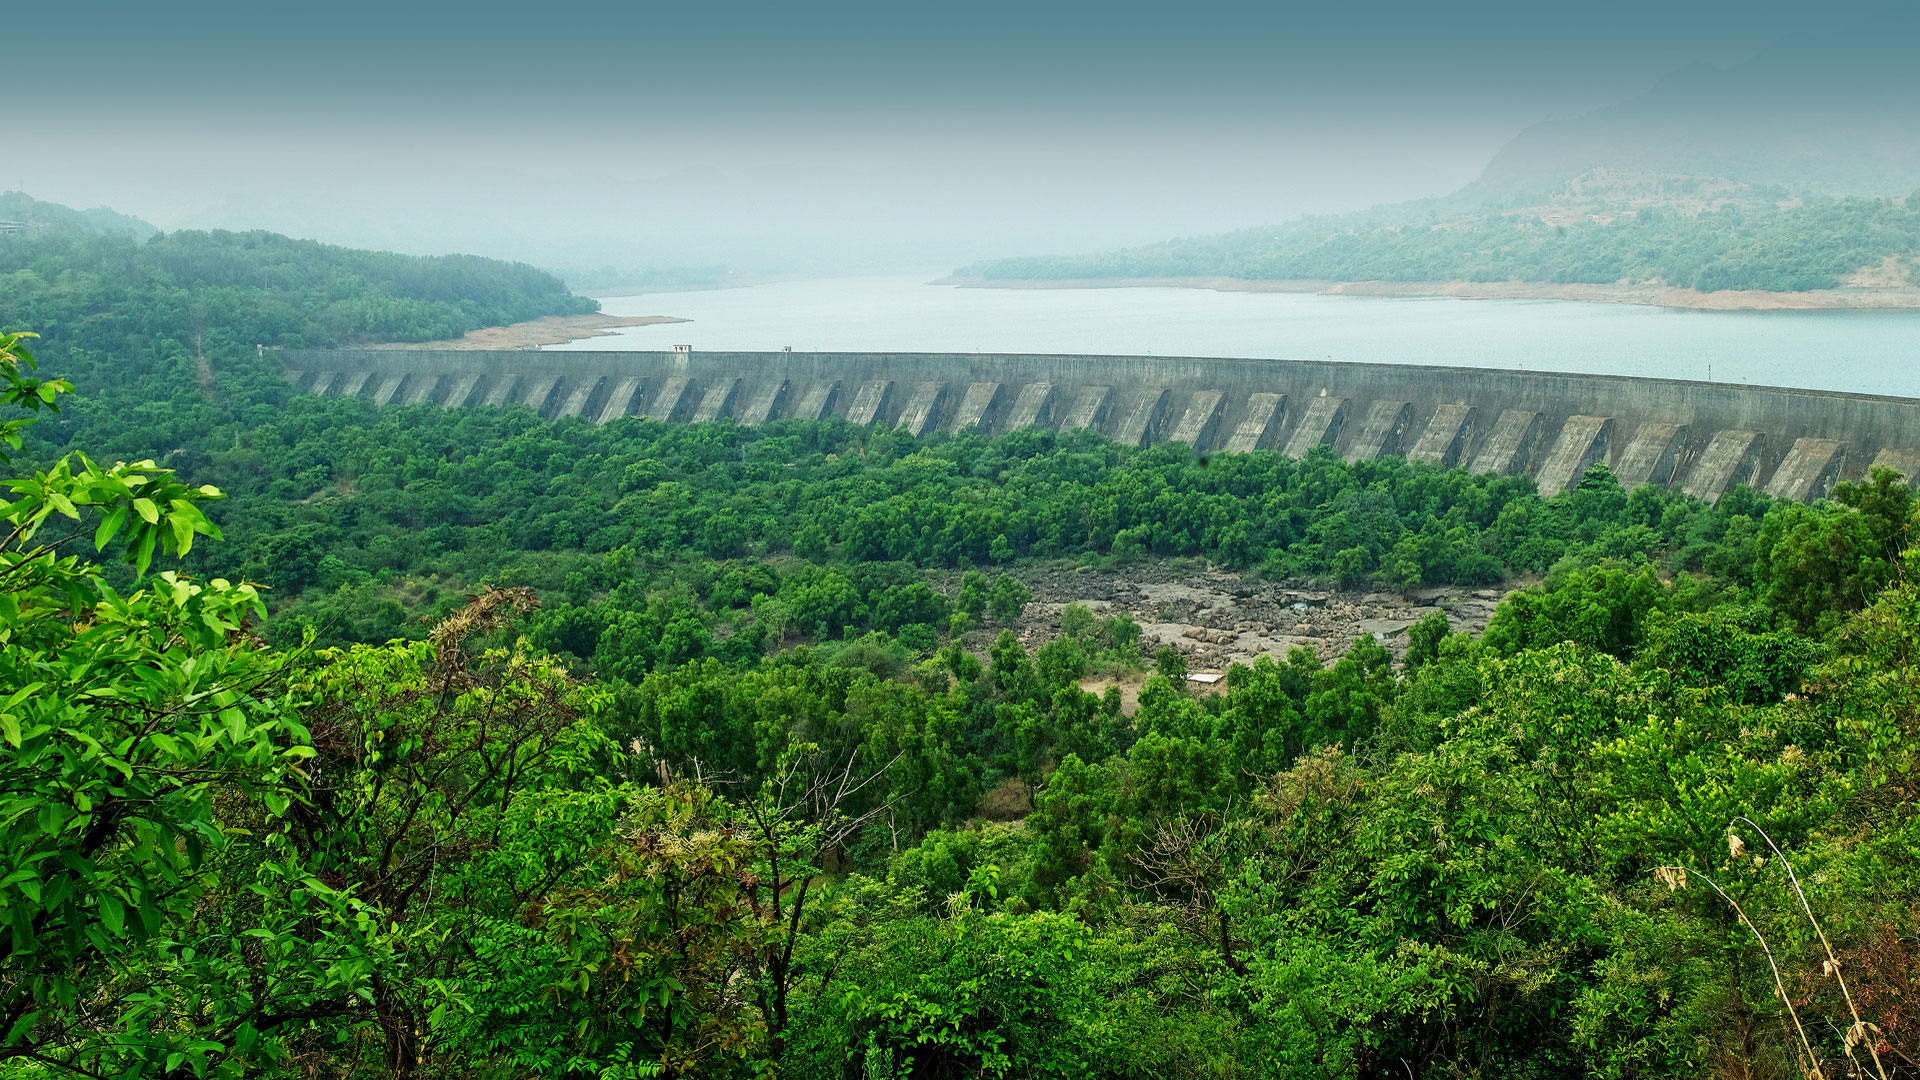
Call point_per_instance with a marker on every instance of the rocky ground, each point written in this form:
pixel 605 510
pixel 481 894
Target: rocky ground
pixel 1217 617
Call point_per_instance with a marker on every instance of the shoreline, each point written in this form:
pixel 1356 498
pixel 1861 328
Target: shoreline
pixel 1859 298
pixel 548 330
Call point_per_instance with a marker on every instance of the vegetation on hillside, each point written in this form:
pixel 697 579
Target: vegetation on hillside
pixel 1811 245
pixel 117 309
pixel 455 857
pixel 599 753
pixel 39 215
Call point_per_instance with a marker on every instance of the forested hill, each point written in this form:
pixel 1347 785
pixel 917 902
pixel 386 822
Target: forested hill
pixel 1787 173
pixel 18 206
pixel 172 322
pixel 1688 234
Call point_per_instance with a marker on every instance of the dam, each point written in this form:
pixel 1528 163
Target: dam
pixel 1699 437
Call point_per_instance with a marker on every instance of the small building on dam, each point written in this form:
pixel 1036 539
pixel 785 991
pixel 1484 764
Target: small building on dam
pixel 1550 426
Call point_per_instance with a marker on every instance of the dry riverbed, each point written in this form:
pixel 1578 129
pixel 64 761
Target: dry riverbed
pixel 1216 618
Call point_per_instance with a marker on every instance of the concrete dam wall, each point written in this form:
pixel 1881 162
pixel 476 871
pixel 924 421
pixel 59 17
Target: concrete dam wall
pixel 1700 437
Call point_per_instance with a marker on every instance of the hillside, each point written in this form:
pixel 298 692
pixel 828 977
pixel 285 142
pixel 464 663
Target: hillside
pixel 1599 229
pixel 131 318
pixel 708 750
pixel 1788 174
pixel 18 206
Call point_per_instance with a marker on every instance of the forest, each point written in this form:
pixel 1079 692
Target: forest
pixel 1812 244
pixel 409 743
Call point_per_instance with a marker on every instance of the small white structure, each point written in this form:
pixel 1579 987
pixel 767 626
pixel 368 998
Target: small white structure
pixel 1204 678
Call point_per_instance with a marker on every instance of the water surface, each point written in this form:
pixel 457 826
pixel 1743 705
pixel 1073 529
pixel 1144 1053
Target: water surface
pixel 1860 351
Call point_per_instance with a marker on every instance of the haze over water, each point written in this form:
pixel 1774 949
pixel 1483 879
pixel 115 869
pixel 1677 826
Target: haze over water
pixel 1858 351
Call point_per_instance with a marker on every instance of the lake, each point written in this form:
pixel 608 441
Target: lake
pixel 1861 351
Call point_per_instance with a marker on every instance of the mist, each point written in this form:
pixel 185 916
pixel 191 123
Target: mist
pixel 781 140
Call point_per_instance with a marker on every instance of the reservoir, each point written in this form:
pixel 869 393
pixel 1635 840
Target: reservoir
pixel 1873 352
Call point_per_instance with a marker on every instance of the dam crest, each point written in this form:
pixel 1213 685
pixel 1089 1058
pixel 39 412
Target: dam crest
pixel 1550 426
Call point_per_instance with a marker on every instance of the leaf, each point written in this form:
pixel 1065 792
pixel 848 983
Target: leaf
pixel 109 527
pixel 20 1028
pixel 113 914
pixel 143 552
pixel 147 510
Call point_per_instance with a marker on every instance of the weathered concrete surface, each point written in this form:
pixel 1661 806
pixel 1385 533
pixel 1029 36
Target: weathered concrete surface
pixel 972 416
pixel 389 386
pixel 1196 425
pixel 578 392
pixel 539 391
pixel 672 399
pixel 498 394
pixel 1651 455
pixel 1032 408
pixel 461 395
pixel 1509 445
pixel 1379 432
pixel 818 402
pixel 1089 408
pixel 421 389
pixel 1904 462
pixel 1702 436
pixel 870 402
pixel 1265 413
pixel 621 400
pixel 765 401
pixel 1728 459
pixel 923 408
pixel 1583 441
pixel 1319 426
pixel 1808 471
pixel 716 401
pixel 1140 416
pixel 1445 436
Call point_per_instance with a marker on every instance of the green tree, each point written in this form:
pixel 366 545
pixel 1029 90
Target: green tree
pixel 126 722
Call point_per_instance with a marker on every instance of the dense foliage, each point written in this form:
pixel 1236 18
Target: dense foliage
pixel 1811 245
pixel 702 753
pixel 143 319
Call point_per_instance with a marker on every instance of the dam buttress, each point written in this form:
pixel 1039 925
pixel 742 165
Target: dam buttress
pixel 1550 426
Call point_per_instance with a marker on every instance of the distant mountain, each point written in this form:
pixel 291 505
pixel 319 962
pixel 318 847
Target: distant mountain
pixel 19 207
pixel 1789 173
pixel 1838 115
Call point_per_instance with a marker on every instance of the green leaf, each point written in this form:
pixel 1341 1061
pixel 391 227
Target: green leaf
pixel 20 1028
pixel 109 527
pixel 143 551
pixel 147 510
pixel 113 914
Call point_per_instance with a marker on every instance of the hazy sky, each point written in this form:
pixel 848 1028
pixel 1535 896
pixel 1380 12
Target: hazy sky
pixel 786 136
